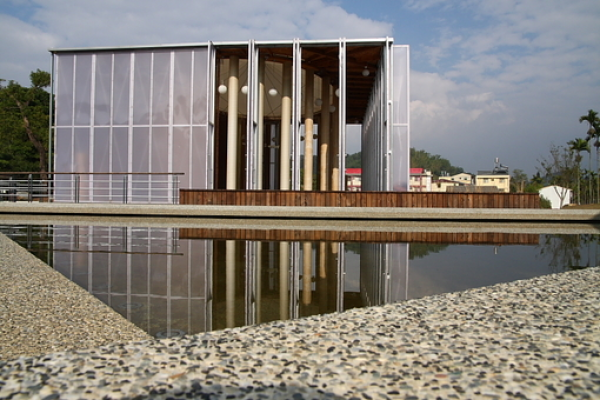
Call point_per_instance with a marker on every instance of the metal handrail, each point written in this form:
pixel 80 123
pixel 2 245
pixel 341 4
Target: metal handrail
pixel 97 187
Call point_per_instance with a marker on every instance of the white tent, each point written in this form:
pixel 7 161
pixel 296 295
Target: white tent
pixel 557 195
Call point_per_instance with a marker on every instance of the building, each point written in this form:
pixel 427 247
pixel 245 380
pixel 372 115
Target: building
pixel 353 179
pixel 496 179
pixel 464 178
pixel 446 185
pixel 420 180
pixel 135 124
pixel 493 179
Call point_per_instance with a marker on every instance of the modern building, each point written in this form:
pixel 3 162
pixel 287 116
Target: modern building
pixel 136 124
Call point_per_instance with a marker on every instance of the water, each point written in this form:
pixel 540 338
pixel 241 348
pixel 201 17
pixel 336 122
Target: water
pixel 172 281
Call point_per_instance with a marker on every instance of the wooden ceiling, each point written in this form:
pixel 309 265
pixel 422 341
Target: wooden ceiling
pixel 324 60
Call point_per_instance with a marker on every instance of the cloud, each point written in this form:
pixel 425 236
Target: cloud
pixel 442 107
pixel 518 70
pixel 85 23
pixel 22 44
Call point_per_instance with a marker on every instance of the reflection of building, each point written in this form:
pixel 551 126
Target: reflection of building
pixel 168 281
pixel 227 116
pixel 167 285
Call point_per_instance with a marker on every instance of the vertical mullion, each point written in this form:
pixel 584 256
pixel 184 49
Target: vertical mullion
pixel 92 124
pixel 296 112
pixel 130 127
pixel 169 131
pixel 342 115
pixel 191 119
pixel 251 117
pixel 210 123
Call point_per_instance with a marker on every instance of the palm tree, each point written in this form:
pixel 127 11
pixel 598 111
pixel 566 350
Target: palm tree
pixel 579 145
pixel 593 132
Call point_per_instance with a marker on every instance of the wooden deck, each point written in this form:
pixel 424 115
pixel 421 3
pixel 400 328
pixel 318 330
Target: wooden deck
pixel 358 199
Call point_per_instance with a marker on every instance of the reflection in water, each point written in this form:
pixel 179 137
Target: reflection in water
pixel 170 282
pixel 569 251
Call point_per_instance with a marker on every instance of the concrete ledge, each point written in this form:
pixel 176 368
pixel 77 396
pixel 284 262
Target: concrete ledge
pixel 309 213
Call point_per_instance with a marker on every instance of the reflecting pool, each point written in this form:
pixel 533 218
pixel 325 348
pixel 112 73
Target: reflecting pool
pixel 172 281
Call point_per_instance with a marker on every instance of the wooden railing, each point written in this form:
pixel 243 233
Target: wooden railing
pixel 358 199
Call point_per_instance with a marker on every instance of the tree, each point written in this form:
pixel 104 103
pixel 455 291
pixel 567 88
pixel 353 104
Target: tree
pixel 24 130
pixel 593 133
pixel 579 145
pixel 436 164
pixel 560 169
pixel 518 181
pixel 353 160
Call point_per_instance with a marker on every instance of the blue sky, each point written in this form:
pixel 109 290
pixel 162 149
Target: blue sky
pixel 489 78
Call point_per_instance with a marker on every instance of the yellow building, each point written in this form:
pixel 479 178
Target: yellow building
pixel 498 178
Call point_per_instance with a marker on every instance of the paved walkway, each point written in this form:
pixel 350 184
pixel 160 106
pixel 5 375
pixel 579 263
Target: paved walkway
pixel 310 213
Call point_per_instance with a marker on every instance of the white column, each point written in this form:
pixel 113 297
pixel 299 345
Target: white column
pixel 232 122
pixel 286 122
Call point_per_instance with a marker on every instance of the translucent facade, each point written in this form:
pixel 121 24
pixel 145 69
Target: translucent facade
pixel 137 124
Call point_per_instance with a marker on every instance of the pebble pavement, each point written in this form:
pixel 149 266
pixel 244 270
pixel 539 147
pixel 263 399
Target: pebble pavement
pixel 531 339
pixel 41 311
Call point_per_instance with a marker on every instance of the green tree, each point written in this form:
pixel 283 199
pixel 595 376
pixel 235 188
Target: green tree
pixel 559 169
pixel 24 113
pixel 579 145
pixel 353 160
pixel 518 181
pixel 435 163
pixel 593 134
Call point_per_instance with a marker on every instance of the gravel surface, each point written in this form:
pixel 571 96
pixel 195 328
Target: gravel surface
pixel 41 311
pixel 535 339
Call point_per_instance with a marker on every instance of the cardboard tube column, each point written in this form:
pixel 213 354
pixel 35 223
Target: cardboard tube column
pixel 309 111
pixel 261 122
pixel 334 150
pixel 230 283
pixel 324 136
pixel 233 84
pixel 284 277
pixel 286 122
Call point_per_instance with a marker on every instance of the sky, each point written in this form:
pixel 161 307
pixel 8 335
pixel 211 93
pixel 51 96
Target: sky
pixel 489 79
